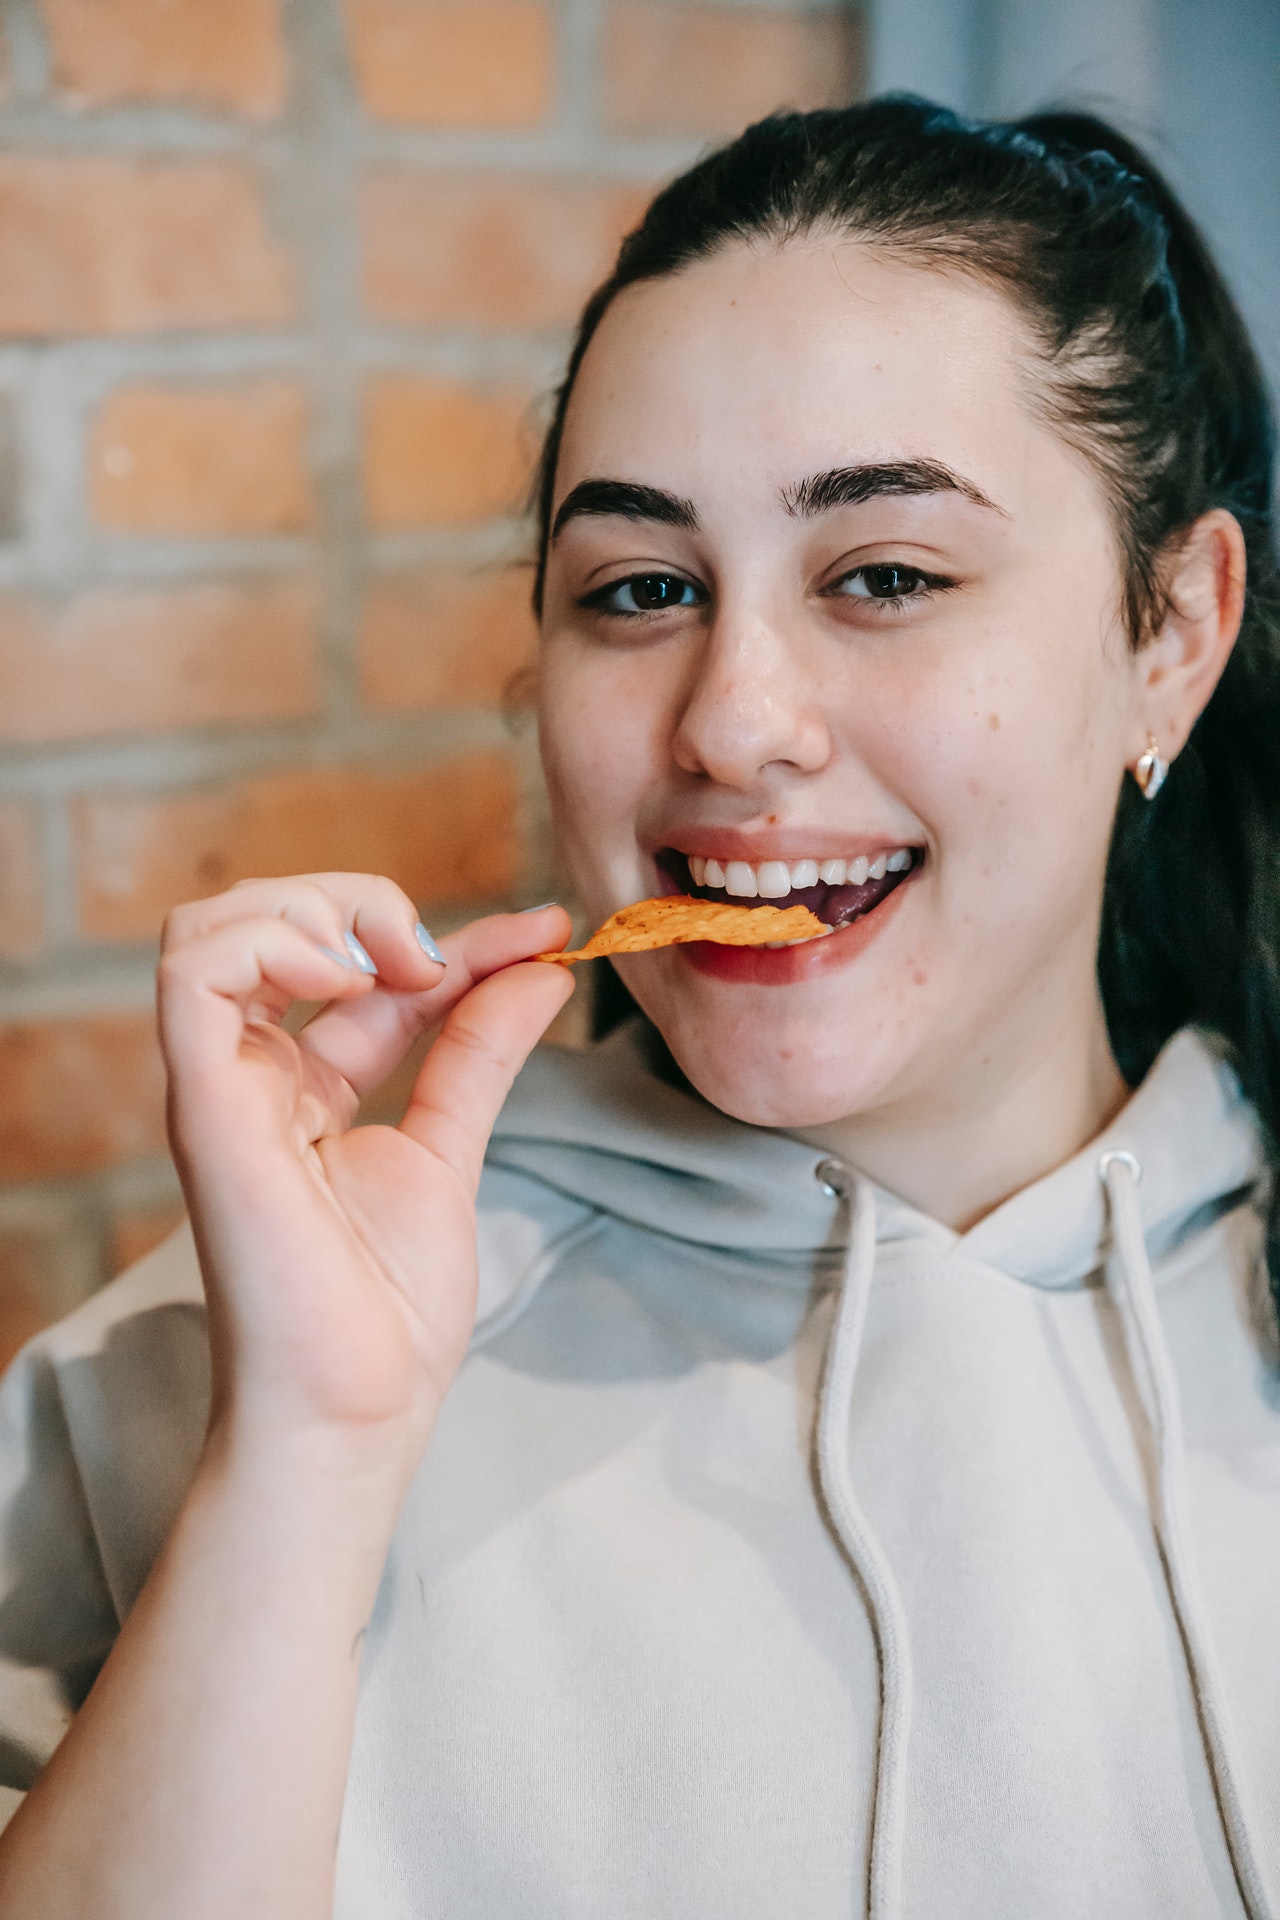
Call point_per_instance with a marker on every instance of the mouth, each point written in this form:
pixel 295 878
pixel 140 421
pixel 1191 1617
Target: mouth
pixel 837 892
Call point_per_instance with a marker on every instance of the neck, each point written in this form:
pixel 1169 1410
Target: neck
pixel 994 1125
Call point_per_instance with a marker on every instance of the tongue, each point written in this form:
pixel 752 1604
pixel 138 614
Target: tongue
pixel 836 906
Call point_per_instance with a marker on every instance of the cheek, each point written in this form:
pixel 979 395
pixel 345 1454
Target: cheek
pixel 603 732
pixel 1011 762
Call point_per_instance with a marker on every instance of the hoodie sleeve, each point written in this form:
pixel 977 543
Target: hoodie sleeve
pixel 101 1422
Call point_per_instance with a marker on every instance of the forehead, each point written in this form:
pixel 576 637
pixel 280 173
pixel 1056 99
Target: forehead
pixel 765 362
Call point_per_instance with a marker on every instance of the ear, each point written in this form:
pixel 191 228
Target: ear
pixel 1180 666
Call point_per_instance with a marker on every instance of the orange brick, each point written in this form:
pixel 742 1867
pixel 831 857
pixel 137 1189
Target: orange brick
pixel 223 459
pixel 21 892
pixel 118 246
pixel 440 454
pixel 469 251
pixel 131 661
pixel 229 55
pixel 454 63
pixel 136 1230
pixel 80 1092
pixel 444 637
pixel 445 833
pixel 686 68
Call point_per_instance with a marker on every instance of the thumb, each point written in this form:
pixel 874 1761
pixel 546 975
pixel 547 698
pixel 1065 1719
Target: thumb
pixel 482 1046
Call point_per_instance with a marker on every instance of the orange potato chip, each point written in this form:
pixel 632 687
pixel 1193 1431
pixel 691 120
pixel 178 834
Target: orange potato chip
pixel 678 918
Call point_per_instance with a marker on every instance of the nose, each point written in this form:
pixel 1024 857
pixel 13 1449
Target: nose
pixel 751 706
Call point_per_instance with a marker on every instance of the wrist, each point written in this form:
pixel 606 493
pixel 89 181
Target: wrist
pixel 310 1487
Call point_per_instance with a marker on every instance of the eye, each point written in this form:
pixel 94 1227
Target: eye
pixel 888 581
pixel 644 593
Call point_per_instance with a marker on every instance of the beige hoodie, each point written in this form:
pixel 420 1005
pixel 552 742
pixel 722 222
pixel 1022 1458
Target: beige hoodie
pixel 779 1552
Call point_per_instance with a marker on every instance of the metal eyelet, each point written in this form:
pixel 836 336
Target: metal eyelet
pixel 833 1177
pixel 1125 1159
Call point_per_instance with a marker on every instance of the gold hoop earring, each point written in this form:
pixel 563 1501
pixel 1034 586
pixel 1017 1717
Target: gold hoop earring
pixel 1151 771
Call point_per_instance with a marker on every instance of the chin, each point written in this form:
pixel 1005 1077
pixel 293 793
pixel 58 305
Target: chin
pixel 804 1075
pixel 770 1091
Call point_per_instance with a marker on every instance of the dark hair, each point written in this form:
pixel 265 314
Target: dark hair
pixel 1148 369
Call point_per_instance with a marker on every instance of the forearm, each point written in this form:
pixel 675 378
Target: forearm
pixel 205 1773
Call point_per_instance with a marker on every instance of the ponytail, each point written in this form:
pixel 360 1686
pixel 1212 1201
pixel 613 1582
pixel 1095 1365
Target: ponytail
pixel 1191 916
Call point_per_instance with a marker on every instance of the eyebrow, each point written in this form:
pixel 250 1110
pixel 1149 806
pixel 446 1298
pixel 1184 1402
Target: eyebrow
pixel 627 500
pixel 820 493
pixel 851 486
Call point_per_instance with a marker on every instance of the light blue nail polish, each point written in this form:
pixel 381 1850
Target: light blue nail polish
pixel 428 945
pixel 342 959
pixel 358 954
pixel 541 908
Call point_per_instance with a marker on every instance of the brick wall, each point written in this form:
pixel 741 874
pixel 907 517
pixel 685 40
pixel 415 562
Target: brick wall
pixel 282 283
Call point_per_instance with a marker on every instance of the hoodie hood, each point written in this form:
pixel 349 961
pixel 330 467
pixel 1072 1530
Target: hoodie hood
pixel 603 1132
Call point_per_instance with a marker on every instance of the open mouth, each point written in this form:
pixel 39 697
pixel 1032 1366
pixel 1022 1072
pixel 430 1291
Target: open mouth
pixel 838 892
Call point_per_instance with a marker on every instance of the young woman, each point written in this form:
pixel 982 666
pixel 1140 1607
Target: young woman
pixel 861 1491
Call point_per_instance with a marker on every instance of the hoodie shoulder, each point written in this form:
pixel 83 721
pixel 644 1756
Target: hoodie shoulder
pixel 126 1385
pixel 101 1421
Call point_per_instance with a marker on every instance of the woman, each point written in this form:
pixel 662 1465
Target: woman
pixel 831 1515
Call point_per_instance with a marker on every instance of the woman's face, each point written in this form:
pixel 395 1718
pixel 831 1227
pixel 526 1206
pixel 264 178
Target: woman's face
pixel 825 590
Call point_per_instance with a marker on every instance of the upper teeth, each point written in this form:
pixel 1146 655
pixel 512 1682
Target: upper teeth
pixel 771 879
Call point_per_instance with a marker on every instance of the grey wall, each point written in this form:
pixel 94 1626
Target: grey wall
pixel 1198 81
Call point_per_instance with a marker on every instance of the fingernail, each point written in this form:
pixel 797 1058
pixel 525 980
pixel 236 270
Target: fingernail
pixel 539 909
pixel 428 945
pixel 342 959
pixel 359 955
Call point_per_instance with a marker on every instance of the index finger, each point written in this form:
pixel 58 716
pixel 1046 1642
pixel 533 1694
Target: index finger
pixel 366 1040
pixel 328 906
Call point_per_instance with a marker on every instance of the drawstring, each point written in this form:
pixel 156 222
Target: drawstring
pixel 1132 1288
pixel 1130 1284
pixel 888 1619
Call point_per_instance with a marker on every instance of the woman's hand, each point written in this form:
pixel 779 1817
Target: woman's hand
pixel 340 1264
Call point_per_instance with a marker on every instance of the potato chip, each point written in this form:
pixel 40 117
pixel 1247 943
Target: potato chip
pixel 678 918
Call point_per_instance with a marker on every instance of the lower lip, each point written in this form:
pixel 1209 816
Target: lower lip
pixel 784 966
